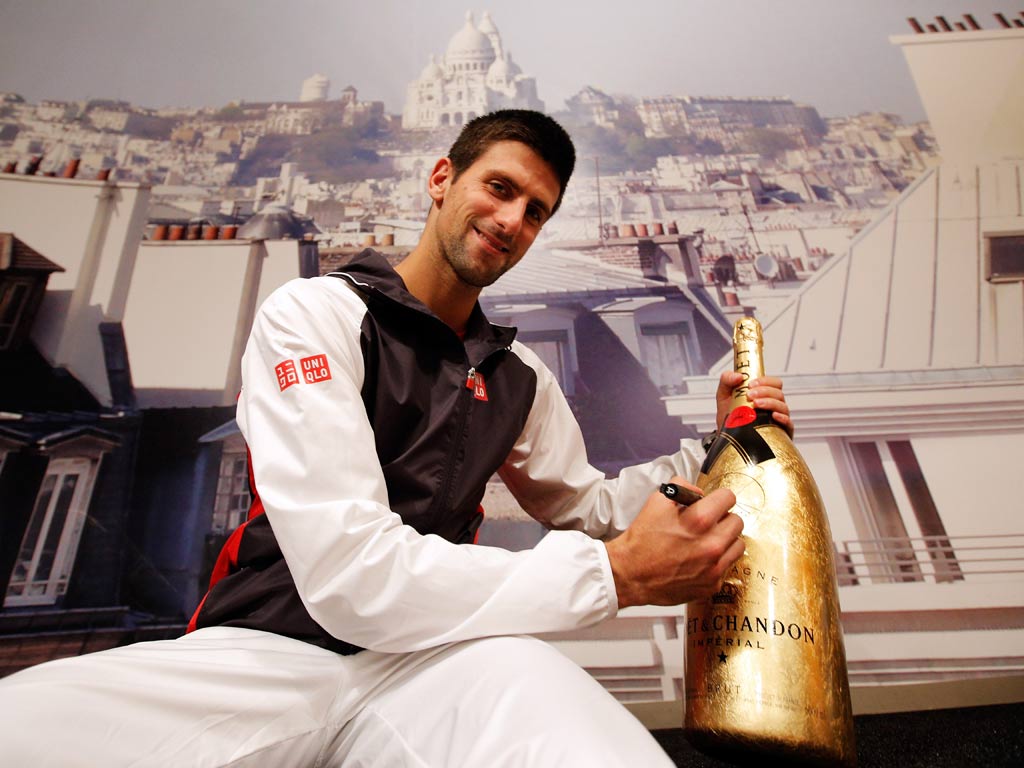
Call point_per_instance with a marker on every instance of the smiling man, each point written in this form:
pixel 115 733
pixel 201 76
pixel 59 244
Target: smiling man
pixel 491 197
pixel 352 620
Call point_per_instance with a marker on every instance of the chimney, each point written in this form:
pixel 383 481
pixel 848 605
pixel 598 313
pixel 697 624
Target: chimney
pixel 33 165
pixel 103 174
pixel 915 25
pixel 1002 20
pixel 10 167
pixel 968 74
pixel 971 22
pixel 943 23
pixel 71 169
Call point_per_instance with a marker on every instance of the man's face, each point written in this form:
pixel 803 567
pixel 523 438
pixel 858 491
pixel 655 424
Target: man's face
pixel 489 216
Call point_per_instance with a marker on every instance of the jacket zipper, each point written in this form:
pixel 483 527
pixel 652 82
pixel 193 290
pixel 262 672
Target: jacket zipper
pixel 459 441
pixel 443 500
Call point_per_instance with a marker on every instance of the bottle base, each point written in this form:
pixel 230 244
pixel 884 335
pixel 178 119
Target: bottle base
pixel 744 749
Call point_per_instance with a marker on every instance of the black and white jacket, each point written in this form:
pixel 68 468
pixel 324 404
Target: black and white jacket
pixel 372 430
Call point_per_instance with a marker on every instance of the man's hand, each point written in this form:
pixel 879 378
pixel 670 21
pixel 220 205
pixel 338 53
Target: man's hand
pixel 673 554
pixel 765 393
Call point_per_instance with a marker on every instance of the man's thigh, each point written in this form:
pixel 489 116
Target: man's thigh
pixel 495 702
pixel 216 697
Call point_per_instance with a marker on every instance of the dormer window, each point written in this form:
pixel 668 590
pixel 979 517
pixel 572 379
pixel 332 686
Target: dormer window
pixel 49 546
pixel 14 296
pixel 24 273
pixel 1005 262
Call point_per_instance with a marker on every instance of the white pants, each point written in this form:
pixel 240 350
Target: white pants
pixel 225 696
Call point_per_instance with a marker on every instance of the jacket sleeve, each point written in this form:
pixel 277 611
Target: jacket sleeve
pixel 362 574
pixel 548 472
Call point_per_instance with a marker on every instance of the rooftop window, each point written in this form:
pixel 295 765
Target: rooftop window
pixel 1005 259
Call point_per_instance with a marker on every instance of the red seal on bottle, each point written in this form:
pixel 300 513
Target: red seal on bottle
pixel 741 416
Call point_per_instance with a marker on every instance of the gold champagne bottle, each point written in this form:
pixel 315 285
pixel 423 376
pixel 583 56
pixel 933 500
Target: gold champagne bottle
pixel 765 664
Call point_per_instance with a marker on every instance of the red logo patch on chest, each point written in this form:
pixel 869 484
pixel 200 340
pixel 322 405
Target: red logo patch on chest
pixel 475 381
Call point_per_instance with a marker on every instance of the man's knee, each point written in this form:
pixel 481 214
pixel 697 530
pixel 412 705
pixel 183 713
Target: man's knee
pixel 507 701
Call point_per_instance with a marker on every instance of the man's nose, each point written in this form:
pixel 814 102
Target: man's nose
pixel 510 217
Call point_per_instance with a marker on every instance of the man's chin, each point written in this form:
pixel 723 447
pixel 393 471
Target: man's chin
pixel 478 280
pixel 481 277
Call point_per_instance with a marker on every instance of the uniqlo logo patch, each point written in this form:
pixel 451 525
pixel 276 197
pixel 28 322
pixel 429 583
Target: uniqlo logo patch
pixel 475 381
pixel 315 369
pixel 286 374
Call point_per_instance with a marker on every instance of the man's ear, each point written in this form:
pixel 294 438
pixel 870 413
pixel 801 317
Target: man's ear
pixel 440 179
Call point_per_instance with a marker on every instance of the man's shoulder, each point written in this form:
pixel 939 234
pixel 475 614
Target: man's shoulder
pixel 526 354
pixel 325 288
pixel 533 360
pixel 315 296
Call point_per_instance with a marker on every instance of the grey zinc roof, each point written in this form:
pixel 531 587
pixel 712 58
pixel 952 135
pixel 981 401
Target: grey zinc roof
pixel 557 272
pixel 910 293
pixel 276 222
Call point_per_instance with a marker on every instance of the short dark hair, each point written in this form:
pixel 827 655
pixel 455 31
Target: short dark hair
pixel 534 129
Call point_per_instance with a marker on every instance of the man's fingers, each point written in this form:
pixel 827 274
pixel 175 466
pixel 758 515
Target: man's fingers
pixel 714 507
pixel 730 527
pixel 728 381
pixel 767 381
pixel 731 555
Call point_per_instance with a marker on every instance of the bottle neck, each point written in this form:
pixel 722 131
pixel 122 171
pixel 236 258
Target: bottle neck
pixel 748 358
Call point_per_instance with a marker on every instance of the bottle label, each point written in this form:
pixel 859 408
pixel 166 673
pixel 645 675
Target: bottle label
pixel 741 433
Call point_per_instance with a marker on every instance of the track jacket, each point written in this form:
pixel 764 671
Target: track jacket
pixel 372 430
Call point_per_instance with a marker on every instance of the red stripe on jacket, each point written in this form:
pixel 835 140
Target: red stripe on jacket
pixel 227 560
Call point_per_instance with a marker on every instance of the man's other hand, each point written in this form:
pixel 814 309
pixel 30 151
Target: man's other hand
pixel 673 554
pixel 765 392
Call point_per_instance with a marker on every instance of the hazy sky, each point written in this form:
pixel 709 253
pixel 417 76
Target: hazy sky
pixel 832 54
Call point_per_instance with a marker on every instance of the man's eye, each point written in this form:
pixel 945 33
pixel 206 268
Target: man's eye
pixel 535 216
pixel 498 188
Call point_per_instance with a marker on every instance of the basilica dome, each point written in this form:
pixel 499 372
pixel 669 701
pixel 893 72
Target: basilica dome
pixel 487 24
pixel 469 46
pixel 432 71
pixel 498 71
pixel 474 76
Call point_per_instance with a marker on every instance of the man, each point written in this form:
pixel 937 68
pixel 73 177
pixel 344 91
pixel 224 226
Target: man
pixel 351 621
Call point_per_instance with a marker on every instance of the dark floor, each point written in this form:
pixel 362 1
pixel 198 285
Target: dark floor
pixel 986 737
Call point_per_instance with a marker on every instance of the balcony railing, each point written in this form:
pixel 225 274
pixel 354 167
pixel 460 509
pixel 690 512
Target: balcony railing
pixel 933 559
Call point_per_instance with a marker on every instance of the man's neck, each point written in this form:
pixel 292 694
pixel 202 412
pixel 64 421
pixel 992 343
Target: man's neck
pixel 439 289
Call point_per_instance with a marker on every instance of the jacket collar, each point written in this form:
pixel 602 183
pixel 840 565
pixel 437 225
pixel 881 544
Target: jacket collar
pixel 371 272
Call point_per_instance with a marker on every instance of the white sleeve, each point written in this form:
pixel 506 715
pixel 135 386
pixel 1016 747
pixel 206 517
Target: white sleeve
pixel 362 574
pixel 550 476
